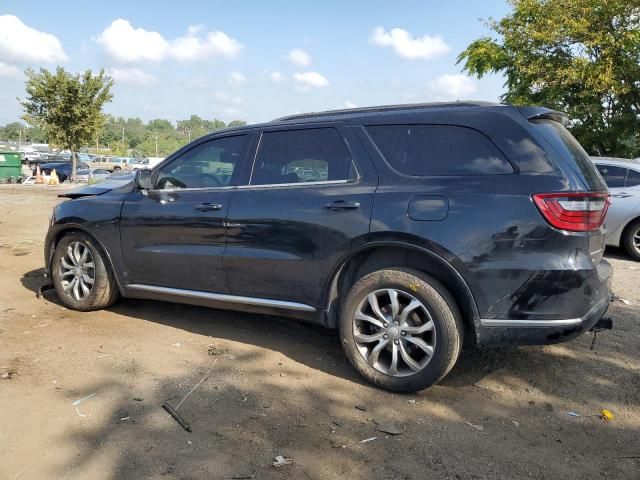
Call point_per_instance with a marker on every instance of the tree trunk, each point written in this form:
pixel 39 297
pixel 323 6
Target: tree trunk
pixel 74 164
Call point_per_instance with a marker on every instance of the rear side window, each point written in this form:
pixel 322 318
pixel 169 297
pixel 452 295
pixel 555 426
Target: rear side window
pixel 569 149
pixel 633 178
pixel 301 156
pixel 431 150
pixel 613 176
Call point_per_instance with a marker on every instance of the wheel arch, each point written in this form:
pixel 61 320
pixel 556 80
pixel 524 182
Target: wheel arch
pixel 70 228
pixel 394 253
pixel 625 229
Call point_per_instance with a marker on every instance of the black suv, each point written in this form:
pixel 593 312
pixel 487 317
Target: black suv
pixel 411 229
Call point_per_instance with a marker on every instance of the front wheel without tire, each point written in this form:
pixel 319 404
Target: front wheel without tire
pixel 401 329
pixel 81 275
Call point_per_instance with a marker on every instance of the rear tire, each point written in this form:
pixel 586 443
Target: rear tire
pixel 631 240
pixel 426 319
pixel 81 274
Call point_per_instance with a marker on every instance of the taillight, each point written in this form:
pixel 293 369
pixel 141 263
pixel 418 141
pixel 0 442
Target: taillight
pixel 573 211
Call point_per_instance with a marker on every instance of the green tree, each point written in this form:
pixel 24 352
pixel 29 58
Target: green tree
pixel 236 123
pixel 11 131
pixel 68 108
pixel 578 56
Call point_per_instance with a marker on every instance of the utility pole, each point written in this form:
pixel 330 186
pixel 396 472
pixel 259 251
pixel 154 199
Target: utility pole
pixel 123 138
pixel 19 139
pixel 156 136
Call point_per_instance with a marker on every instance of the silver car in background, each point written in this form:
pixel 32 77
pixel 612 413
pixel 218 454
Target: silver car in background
pixel 623 218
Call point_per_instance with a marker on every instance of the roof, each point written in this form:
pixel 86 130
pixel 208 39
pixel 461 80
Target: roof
pixel 620 162
pixel 385 109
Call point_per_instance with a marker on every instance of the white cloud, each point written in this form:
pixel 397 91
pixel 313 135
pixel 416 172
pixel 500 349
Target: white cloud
pixel 132 76
pixel 127 44
pixel 9 71
pixel 349 104
pixel 305 81
pixel 299 57
pixel 20 44
pixel 226 99
pixel 236 113
pixel 277 77
pixel 236 79
pixel 452 87
pixel 407 46
pixel 213 44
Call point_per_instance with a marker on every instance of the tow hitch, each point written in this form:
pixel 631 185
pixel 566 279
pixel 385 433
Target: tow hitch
pixel 602 324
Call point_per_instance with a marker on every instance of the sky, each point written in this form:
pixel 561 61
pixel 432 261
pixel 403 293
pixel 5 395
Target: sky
pixel 249 60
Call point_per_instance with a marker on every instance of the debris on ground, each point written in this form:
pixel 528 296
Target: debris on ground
pixel 279 461
pixel 606 415
pixel 173 411
pixel 183 423
pixel 79 401
pixel 392 428
pixel 6 375
pixel 362 408
pixel 366 440
pixel 573 414
pixel 516 423
pixel 217 350
pixel 480 428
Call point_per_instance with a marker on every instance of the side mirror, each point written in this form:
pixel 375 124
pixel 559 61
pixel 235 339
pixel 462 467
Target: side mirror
pixel 143 179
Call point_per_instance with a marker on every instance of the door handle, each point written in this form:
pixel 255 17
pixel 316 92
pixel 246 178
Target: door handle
pixel 342 205
pixel 208 207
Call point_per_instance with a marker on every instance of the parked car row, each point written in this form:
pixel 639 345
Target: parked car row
pixel 110 163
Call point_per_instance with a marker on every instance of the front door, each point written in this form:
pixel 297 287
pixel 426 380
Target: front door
pixel 307 203
pixel 174 234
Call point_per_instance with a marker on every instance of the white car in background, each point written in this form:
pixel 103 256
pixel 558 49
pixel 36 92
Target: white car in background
pixel 148 162
pixel 623 217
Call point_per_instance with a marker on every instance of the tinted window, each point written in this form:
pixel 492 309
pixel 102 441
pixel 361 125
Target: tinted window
pixel 569 149
pixel 633 178
pixel 299 156
pixel 613 176
pixel 423 150
pixel 210 164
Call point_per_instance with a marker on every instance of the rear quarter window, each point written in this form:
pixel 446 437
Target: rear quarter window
pixel 571 151
pixel 633 178
pixel 438 150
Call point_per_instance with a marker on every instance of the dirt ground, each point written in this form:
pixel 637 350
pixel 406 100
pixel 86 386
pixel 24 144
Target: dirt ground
pixel 278 387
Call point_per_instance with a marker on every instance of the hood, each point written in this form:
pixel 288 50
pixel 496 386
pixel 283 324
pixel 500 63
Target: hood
pixel 98 188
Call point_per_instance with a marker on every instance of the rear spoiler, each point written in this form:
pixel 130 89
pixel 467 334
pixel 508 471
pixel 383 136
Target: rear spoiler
pixel 542 113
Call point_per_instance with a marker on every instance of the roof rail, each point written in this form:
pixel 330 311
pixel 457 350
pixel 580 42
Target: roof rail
pixel 386 108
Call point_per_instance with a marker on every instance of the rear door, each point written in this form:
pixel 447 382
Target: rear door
pixel 174 234
pixel 306 202
pixel 624 185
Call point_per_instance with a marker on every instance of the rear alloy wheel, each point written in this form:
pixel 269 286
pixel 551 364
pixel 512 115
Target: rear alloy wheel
pixel 401 329
pixel 394 332
pixel 80 274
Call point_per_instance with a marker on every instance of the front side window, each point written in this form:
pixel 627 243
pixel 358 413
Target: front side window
pixel 301 156
pixel 613 176
pixel 432 150
pixel 208 165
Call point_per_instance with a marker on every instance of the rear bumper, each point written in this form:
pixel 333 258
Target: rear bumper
pixel 495 332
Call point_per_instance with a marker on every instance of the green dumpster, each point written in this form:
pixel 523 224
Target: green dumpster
pixel 10 166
